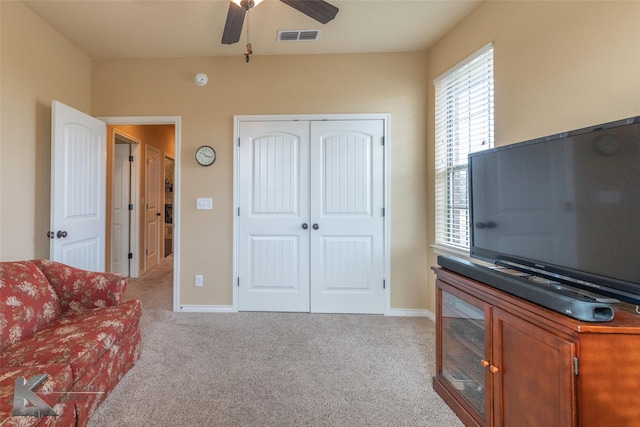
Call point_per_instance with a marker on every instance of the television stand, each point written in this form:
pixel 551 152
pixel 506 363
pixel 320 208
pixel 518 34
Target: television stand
pixel 503 361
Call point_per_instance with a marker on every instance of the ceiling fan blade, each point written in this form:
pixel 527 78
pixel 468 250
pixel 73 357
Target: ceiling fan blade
pixel 233 26
pixel 319 10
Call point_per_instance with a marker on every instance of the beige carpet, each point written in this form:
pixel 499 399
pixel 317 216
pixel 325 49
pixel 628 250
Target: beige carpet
pixel 274 369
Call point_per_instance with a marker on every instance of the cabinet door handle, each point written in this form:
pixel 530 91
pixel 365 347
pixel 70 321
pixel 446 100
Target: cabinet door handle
pixel 484 363
pixel 494 369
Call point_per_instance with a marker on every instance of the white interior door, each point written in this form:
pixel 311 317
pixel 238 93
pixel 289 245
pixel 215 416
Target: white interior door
pixel 273 246
pixel 347 233
pixel 310 221
pixel 120 234
pixel 153 207
pixel 78 188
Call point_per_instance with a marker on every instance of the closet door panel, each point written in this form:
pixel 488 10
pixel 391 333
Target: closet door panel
pixel 347 246
pixel 273 246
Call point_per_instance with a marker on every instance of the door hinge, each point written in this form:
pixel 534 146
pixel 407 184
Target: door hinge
pixel 238 142
pixel 238 282
pixel 131 206
pixel 384 211
pixel 575 366
pixel 238 211
pixel 129 255
pixel 383 140
pixel 131 158
pixel 384 284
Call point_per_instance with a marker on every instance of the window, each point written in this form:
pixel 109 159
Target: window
pixel 464 125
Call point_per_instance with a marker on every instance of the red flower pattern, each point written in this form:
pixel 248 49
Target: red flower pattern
pixel 81 289
pixel 70 324
pixel 27 299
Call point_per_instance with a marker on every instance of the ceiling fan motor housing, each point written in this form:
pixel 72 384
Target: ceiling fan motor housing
pixel 247 4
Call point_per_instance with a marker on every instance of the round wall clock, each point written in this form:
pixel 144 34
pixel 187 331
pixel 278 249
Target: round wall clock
pixel 205 155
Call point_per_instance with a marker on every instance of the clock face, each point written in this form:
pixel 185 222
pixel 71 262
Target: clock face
pixel 205 155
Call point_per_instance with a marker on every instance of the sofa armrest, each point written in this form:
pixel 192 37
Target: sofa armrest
pixel 79 289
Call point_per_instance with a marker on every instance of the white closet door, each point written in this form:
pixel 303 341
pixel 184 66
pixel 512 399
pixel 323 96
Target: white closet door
pixel 310 222
pixel 347 233
pixel 273 246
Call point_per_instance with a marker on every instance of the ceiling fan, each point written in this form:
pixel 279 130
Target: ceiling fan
pixel 319 10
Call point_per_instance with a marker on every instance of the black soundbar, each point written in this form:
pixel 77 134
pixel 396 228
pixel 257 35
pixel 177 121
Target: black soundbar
pixel 576 306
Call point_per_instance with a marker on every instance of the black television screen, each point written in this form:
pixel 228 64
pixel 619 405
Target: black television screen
pixel 566 205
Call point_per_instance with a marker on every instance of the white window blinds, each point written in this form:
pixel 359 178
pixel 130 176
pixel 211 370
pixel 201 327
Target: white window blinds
pixel 464 124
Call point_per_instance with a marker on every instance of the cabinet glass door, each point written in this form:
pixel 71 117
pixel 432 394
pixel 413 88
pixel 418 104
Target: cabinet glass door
pixel 463 349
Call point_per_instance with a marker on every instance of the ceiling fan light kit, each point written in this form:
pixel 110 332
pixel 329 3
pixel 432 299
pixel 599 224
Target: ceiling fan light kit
pixel 247 4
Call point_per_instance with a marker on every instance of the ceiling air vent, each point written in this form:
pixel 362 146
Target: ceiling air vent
pixel 298 35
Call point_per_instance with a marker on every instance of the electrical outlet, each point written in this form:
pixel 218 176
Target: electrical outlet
pixel 199 280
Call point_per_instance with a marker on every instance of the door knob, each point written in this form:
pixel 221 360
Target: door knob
pixel 60 234
pixel 315 226
pixel 305 226
pixel 158 214
pixel 50 234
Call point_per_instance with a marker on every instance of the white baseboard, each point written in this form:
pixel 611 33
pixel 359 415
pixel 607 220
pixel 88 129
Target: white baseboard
pixel 408 312
pixel 404 312
pixel 204 309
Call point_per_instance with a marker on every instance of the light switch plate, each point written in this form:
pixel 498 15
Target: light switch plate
pixel 204 203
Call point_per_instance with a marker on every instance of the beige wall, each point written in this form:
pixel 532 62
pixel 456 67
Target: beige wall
pixel 37 66
pixel 558 66
pixel 373 83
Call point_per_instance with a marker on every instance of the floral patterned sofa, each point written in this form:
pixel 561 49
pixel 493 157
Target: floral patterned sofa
pixel 71 325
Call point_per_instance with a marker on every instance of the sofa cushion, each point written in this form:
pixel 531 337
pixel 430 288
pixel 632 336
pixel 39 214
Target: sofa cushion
pixel 78 339
pixel 27 300
pixel 81 289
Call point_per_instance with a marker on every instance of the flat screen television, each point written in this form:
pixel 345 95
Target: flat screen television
pixel 565 206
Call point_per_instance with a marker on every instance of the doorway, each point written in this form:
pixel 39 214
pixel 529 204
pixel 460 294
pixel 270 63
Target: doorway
pixel 170 125
pixel 311 227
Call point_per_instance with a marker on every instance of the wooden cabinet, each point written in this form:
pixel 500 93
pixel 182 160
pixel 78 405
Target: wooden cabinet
pixel 502 361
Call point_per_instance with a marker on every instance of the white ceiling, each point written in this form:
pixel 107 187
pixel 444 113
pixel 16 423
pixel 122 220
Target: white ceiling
pixel 184 28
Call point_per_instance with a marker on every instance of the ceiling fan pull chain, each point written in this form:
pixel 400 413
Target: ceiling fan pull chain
pixel 249 50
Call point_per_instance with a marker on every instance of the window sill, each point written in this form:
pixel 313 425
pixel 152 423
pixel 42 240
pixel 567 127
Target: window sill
pixel 446 250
